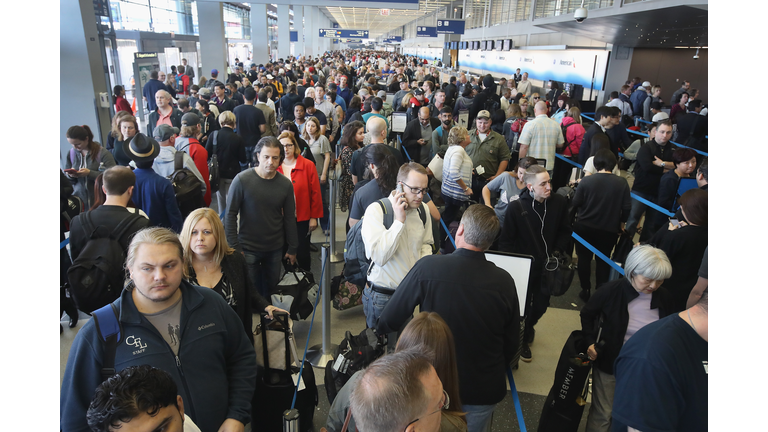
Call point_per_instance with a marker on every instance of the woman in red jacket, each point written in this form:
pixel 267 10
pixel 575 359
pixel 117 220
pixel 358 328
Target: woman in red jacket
pixel 121 104
pixel 306 192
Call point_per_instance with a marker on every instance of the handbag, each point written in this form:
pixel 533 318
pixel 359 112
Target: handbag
pixel 348 296
pixel 273 335
pixel 558 271
pixel 623 248
pixel 213 165
pixel 296 293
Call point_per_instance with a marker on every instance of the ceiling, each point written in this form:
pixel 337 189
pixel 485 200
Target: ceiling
pixel 374 22
pixel 665 27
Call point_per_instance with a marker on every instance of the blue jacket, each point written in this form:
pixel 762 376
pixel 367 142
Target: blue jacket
pixel 346 94
pixel 636 99
pixel 215 370
pixel 150 88
pixel 154 194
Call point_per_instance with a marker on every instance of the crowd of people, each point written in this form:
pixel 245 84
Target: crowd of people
pixel 264 146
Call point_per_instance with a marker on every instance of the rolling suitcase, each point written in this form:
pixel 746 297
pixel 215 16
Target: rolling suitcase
pixel 565 402
pixel 275 388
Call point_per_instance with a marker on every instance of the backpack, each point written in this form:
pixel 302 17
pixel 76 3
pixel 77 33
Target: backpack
pixel 491 105
pixel 107 321
pixel 96 277
pixel 517 125
pixel 356 265
pixel 187 187
pixel 354 354
pixel 564 129
pixel 213 165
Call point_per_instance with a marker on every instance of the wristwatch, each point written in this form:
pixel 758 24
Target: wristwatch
pixel 662 164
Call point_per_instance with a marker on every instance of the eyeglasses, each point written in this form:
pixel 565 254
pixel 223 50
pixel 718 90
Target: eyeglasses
pixel 444 405
pixel 287 145
pixel 536 97
pixel 416 191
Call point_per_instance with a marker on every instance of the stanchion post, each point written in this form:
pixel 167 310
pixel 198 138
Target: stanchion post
pixel 319 355
pixel 333 186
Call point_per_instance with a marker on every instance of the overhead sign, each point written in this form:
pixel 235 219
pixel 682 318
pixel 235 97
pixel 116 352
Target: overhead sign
pixel 392 39
pixel 422 31
pixel 450 26
pixel 339 33
pixel 294 36
pixel 384 12
pixel 372 4
pixel 351 40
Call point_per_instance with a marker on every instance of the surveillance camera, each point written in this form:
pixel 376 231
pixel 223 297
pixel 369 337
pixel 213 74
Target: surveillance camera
pixel 580 15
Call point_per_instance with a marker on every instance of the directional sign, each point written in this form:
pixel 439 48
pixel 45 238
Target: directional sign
pixel 450 26
pixel 422 31
pixel 393 39
pixel 339 33
pixel 351 41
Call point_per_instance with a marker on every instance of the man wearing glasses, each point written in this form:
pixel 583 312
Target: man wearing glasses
pixel 393 250
pixel 484 318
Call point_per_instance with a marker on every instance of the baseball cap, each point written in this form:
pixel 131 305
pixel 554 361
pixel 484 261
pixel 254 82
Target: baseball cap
pixel 660 116
pixel 484 114
pixel 214 71
pixel 418 92
pixel 190 119
pixel 253 65
pixel 269 77
pixel 404 80
pixel 382 94
pixel 164 132
pixel 647 84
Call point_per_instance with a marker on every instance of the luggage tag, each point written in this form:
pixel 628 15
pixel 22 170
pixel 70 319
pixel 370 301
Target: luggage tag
pixel 341 364
pixel 295 378
pixel 480 170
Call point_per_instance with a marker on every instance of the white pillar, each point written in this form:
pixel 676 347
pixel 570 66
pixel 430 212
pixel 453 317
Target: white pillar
pixel 298 27
pixel 213 43
pixel 259 35
pixel 283 31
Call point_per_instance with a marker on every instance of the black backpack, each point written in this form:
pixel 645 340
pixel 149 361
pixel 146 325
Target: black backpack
pixel 356 264
pixel 491 105
pixel 564 129
pixel 187 187
pixel 354 353
pixel 96 277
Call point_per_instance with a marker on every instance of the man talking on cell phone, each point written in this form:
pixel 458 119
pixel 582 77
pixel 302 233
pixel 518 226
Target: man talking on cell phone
pixel 394 249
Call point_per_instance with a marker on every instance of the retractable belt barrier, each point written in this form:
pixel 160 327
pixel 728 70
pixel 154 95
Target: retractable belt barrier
pixel 646 135
pixel 63 244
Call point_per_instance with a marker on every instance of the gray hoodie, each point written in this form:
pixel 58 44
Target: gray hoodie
pixel 164 162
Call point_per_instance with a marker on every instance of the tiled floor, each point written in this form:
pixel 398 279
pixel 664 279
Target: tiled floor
pixel 533 380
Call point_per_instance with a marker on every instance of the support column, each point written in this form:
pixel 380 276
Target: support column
pixel 213 44
pixel 618 71
pixel 82 74
pixel 298 26
pixel 311 30
pixel 283 31
pixel 259 35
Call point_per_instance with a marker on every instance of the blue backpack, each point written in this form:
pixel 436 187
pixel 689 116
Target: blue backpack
pixel 357 266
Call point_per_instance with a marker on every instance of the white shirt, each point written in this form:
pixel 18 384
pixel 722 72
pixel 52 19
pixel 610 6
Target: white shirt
pixel 189 425
pixel 394 252
pixel 626 109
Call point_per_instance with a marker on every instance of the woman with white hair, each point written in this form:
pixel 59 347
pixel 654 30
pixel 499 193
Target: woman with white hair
pixel 625 305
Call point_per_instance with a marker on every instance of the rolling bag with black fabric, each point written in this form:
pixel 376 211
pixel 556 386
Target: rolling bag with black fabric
pixel 275 387
pixel 565 402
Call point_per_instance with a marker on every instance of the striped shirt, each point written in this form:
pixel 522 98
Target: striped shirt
pixel 457 165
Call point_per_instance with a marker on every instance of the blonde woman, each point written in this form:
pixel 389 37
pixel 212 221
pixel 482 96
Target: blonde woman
pixel 457 174
pixel 209 262
pixel 321 151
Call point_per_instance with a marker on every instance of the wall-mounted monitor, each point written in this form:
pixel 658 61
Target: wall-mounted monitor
pixel 507 45
pixel 476 45
pixel 498 45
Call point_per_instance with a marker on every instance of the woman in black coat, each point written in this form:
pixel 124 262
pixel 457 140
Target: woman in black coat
pixel 210 262
pixel 625 305
pixel 685 245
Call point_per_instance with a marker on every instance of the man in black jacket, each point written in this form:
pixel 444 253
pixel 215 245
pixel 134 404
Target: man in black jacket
pixel 164 113
pixel 418 134
pixel 483 317
pixel 451 92
pixel 602 123
pixel 653 159
pixel 538 225
pixel 692 127
pixel 479 102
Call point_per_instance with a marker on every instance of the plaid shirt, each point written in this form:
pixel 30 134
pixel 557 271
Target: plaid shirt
pixel 542 135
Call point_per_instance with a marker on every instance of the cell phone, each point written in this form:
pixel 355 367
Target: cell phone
pixel 675 222
pixel 70 171
pixel 399 188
